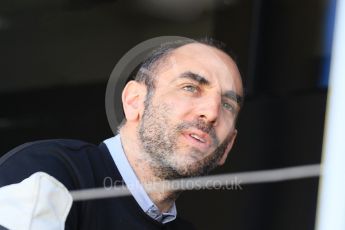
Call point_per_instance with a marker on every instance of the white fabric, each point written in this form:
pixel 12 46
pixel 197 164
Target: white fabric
pixel 38 202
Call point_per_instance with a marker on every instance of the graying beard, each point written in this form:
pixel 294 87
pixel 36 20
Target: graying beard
pixel 149 131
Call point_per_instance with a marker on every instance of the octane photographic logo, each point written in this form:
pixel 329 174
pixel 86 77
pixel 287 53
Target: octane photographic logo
pixel 123 70
pixel 199 183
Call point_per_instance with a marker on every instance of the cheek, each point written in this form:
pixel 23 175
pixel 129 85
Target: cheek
pixel 179 107
pixel 225 127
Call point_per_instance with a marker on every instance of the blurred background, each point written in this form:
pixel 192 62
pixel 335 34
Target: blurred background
pixel 56 57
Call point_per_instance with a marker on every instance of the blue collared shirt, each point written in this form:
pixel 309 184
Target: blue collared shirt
pixel 116 150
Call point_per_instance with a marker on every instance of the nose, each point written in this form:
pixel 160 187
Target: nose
pixel 209 109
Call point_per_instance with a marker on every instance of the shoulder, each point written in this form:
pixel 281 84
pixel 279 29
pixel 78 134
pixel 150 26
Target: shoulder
pixel 64 159
pixel 48 147
pixel 51 143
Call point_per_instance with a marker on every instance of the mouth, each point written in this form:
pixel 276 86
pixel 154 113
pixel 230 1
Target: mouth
pixel 199 139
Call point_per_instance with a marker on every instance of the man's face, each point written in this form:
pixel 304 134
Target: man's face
pixel 187 126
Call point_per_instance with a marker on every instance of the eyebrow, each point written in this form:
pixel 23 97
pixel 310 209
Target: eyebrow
pixel 203 81
pixel 234 96
pixel 195 77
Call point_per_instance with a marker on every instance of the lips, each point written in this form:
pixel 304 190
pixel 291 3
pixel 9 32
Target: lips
pixel 198 139
pixel 195 136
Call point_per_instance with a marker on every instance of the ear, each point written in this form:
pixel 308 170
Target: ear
pixel 133 96
pixel 228 148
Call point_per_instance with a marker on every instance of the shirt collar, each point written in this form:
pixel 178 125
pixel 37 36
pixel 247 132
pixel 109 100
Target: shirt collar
pixel 115 148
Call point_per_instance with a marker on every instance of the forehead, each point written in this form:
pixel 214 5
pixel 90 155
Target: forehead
pixel 213 64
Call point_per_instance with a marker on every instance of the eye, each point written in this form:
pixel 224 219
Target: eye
pixel 190 88
pixel 228 107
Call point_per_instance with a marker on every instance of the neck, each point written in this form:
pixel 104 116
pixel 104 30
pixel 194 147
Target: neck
pixel 142 165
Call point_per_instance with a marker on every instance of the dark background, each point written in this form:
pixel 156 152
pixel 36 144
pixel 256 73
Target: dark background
pixel 56 57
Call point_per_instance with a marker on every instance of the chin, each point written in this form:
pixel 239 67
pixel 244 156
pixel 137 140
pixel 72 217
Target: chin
pixel 192 170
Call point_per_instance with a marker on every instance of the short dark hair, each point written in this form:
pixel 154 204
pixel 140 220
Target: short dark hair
pixel 147 69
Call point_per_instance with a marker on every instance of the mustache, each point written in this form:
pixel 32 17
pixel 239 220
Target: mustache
pixel 201 125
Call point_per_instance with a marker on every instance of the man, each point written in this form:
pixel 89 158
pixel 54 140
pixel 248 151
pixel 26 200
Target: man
pixel 180 114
